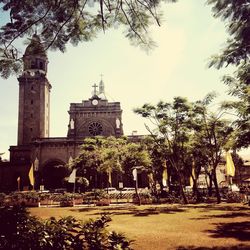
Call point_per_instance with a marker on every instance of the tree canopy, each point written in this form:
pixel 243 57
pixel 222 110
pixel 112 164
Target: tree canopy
pixel 236 15
pixel 110 154
pixel 190 136
pixel 59 22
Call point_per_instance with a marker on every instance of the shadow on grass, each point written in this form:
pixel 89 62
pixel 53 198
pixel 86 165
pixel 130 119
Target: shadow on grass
pixel 140 212
pixel 83 209
pixel 236 230
pixel 221 207
pixel 224 216
pixel 238 247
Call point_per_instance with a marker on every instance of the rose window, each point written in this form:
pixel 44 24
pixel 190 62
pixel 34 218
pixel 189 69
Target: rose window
pixel 95 128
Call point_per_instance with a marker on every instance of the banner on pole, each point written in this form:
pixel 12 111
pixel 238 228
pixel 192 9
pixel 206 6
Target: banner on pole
pixel 72 177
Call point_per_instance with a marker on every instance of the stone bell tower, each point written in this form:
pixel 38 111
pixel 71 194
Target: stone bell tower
pixel 34 94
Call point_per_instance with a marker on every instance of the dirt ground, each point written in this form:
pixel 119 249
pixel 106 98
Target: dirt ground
pixel 203 226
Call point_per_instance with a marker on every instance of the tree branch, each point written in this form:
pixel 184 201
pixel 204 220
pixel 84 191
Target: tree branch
pixel 130 25
pixel 20 33
pixel 60 29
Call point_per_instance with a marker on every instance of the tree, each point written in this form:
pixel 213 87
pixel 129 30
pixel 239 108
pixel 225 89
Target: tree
pixel 236 15
pixel 133 155
pixel 111 151
pixel 239 87
pixel 99 155
pixel 190 137
pixel 173 125
pixel 157 150
pixel 214 135
pixel 59 22
pixel 109 154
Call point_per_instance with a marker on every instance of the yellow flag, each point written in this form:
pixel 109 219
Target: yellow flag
pixel 229 164
pixel 31 176
pixel 191 179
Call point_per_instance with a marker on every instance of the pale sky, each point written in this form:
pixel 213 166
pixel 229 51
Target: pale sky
pixel 176 67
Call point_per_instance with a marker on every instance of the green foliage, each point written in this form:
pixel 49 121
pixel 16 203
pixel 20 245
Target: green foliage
pixel 186 135
pixel 236 16
pixel 134 154
pixel 61 22
pixel 214 135
pixel 172 134
pixel 239 87
pixel 100 194
pixel 18 229
pixel 237 53
pixel 23 231
pixel 106 155
pixel 233 197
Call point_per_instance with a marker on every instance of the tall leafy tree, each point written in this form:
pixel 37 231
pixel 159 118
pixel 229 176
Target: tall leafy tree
pixel 134 155
pixel 89 159
pixel 100 155
pixel 214 134
pixel 236 15
pixel 59 22
pixel 173 125
pixel 157 150
pixel 109 154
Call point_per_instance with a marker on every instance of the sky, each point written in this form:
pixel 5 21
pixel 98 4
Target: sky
pixel 186 40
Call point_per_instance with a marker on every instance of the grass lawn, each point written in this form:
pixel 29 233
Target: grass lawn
pixel 203 226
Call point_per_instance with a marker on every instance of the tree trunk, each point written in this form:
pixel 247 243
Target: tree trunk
pixel 136 193
pixel 196 191
pixel 210 187
pixel 182 190
pixel 216 187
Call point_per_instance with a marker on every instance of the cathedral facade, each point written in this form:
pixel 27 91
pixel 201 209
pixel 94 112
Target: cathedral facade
pixel 48 155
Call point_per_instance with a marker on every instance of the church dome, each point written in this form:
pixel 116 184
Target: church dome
pixel 35 47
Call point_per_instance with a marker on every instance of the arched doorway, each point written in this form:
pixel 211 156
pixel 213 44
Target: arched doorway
pixel 53 173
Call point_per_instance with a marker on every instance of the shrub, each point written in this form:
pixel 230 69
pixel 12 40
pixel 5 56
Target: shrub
pixel 100 194
pixel 233 197
pixel 167 198
pixel 145 198
pixel 23 231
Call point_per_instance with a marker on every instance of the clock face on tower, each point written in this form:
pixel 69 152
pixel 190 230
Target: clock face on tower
pixel 95 102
